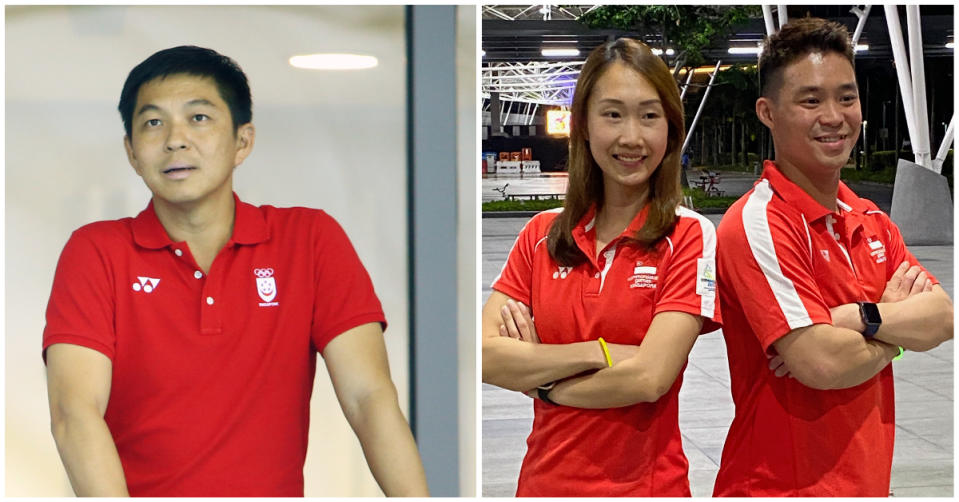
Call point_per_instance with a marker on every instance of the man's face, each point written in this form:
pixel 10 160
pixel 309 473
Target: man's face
pixel 183 144
pixel 815 116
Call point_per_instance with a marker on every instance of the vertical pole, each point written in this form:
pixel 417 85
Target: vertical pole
pixel 431 150
pixel 692 127
pixel 944 147
pixel 921 144
pixel 768 18
pixel 902 71
pixel 781 12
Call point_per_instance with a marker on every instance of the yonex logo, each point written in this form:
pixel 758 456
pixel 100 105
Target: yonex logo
pixel 562 272
pixel 145 284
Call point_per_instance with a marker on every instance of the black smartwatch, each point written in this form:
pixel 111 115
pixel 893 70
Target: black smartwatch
pixel 543 391
pixel 870 317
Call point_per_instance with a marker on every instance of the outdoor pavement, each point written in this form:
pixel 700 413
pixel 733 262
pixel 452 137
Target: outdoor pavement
pixel 923 457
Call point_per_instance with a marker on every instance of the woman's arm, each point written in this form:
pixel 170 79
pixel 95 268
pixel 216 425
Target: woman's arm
pixel 644 377
pixel 513 359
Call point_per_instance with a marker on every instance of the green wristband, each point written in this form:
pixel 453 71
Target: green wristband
pixel 901 351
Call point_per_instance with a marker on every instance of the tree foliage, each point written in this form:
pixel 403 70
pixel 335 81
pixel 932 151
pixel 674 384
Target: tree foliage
pixel 688 29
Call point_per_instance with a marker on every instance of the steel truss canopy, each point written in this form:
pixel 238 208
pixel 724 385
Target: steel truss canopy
pixel 536 83
pixel 536 12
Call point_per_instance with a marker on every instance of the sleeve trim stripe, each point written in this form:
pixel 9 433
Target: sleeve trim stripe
pixel 708 302
pixel 759 237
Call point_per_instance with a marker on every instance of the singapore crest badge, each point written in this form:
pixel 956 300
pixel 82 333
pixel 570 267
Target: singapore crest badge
pixel 265 286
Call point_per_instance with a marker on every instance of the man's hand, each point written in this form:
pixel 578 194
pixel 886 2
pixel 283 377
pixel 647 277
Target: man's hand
pixel 778 365
pixel 517 322
pixel 905 282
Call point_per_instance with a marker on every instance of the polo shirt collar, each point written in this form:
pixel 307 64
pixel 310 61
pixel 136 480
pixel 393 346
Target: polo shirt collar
pixel 249 227
pixel 790 192
pixel 585 234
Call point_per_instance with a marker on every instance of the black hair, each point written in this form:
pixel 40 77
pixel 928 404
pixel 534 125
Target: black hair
pixel 229 78
pixel 796 39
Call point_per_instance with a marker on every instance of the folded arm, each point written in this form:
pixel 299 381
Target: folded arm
pixel 78 386
pixel 513 362
pixel 358 367
pixel 644 377
pixel 823 356
pixel 915 314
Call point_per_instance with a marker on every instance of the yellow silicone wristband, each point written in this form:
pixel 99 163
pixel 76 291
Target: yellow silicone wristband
pixel 609 360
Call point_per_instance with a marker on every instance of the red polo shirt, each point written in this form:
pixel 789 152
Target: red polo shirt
pixel 212 374
pixel 634 450
pixel 786 260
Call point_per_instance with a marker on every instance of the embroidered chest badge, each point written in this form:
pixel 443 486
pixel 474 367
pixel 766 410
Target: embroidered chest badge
pixel 876 249
pixel 266 286
pixel 643 276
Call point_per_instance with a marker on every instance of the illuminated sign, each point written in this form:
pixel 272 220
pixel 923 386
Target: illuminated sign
pixel 557 122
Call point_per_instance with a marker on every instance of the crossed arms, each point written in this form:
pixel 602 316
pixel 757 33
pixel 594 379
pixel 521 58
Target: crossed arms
pixel 916 315
pixel 79 390
pixel 514 359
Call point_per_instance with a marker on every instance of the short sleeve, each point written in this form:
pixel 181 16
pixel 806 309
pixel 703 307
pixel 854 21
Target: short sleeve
pixel 690 281
pixel 764 262
pixel 516 278
pixel 345 297
pixel 82 305
pixel 898 252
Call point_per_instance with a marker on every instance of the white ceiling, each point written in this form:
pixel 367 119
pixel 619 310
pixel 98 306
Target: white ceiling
pixel 85 52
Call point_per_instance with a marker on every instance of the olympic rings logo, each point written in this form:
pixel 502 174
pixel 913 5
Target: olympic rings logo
pixel 263 272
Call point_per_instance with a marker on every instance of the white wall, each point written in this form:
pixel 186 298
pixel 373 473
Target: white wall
pixel 332 140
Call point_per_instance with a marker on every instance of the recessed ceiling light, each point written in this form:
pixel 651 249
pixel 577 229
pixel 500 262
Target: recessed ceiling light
pixel 560 52
pixel 745 50
pixel 861 47
pixel 659 52
pixel 333 62
pixel 951 45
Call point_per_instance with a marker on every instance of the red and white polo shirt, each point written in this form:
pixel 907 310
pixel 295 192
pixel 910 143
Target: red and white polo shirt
pixel 785 261
pixel 630 451
pixel 212 373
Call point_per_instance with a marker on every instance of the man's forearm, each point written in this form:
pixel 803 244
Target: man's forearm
pixel 388 444
pixel 89 456
pixel 918 323
pixel 517 365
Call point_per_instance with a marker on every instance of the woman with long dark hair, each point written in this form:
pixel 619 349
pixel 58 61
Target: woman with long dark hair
pixel 599 304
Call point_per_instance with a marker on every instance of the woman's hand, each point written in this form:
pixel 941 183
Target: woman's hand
pixel 517 322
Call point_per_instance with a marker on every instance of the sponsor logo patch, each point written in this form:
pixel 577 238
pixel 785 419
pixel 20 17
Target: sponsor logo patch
pixel 706 278
pixel 145 284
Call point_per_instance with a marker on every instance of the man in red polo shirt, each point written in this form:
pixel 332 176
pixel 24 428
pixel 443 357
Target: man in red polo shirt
pixel 181 344
pixel 817 285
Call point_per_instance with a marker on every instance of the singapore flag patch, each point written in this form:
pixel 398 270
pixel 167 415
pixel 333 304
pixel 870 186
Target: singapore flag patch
pixel 265 286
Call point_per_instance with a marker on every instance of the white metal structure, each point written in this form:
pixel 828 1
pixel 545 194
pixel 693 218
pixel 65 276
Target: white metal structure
pixel 535 83
pixel 543 12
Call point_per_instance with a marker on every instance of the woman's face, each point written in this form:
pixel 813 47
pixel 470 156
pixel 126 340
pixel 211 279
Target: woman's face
pixel 626 128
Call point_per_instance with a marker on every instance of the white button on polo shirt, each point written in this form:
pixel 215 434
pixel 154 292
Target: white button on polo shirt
pixel 198 274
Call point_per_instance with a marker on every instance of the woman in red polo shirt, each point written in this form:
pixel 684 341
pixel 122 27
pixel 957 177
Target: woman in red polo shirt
pixel 619 282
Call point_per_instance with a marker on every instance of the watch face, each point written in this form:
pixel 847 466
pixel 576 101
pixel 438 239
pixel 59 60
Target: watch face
pixel 871 313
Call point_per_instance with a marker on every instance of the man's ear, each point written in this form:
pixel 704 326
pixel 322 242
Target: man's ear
pixel 131 157
pixel 764 112
pixel 245 135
